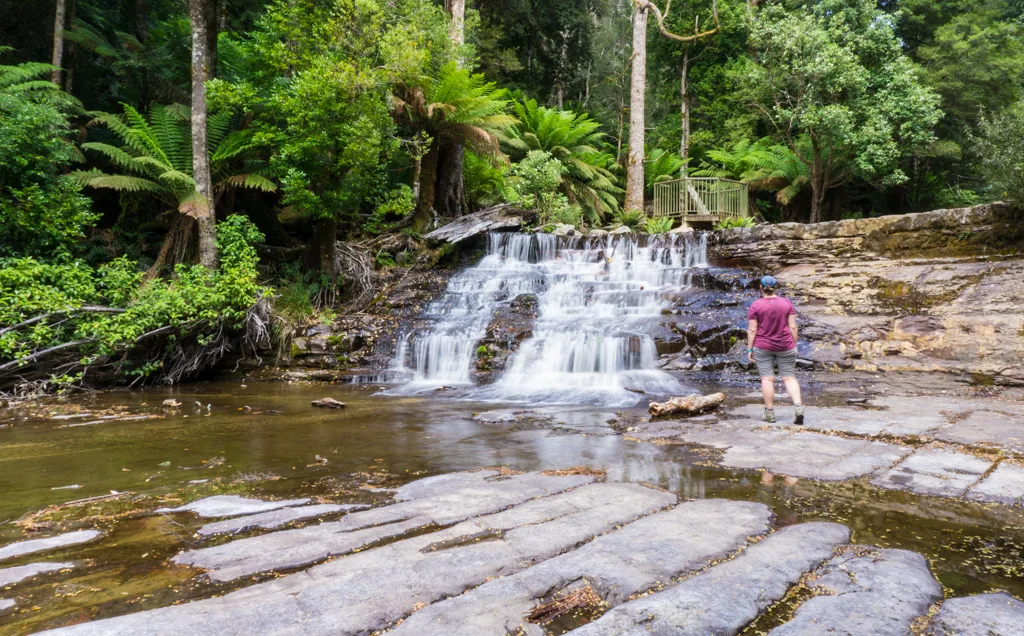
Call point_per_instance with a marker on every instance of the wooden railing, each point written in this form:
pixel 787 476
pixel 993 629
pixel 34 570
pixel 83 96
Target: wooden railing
pixel 701 199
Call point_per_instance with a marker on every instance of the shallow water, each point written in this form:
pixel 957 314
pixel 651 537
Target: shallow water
pixel 379 442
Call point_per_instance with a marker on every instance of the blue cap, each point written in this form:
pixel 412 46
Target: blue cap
pixel 769 282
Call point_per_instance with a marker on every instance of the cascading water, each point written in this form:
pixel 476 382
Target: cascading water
pixel 599 301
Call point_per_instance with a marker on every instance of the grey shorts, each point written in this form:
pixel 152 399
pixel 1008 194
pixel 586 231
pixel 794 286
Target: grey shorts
pixel 767 360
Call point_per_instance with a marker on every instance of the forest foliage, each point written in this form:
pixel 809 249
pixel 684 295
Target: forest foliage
pixel 344 120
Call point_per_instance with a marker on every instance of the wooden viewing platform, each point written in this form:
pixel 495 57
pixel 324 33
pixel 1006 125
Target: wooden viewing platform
pixel 701 199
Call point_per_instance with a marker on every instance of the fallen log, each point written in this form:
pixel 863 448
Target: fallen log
pixel 499 217
pixel 328 403
pixel 686 406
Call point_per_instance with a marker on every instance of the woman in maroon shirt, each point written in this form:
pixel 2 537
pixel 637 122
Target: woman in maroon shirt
pixel 771 341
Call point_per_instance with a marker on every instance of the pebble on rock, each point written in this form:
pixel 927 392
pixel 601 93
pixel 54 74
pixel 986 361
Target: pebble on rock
pixel 328 403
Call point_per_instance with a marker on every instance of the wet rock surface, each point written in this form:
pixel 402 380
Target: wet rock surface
pixel 492 552
pixel 274 518
pixel 32 546
pixel 10 576
pixel 866 591
pixel 231 506
pixel 981 615
pixel 6 604
pixel 935 472
pixel 727 597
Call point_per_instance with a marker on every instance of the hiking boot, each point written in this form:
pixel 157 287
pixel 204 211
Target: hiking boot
pixel 769 416
pixel 799 416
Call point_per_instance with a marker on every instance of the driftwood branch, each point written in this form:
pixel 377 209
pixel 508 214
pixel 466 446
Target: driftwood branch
pixel 85 309
pixel 40 354
pixel 661 17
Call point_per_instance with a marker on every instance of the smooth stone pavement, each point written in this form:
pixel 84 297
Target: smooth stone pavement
pixel 6 604
pixel 935 472
pixel 49 543
pixel 1005 485
pixel 231 506
pixel 274 518
pixel 640 556
pixel 866 591
pixel 982 615
pixel 371 590
pixel 725 598
pixel 10 576
pixel 440 500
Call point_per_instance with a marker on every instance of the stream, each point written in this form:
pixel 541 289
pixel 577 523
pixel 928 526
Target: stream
pixel 265 439
pixel 589 357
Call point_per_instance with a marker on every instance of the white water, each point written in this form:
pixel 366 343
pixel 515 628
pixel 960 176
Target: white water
pixel 598 302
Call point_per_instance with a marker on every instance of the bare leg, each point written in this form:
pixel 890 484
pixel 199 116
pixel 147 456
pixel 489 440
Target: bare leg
pixel 768 391
pixel 793 388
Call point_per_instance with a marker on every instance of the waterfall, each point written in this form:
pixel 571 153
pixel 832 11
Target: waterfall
pixel 599 302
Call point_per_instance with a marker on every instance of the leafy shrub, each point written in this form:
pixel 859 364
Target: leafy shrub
pixel 660 225
pixel 42 212
pixel 395 205
pixel 735 221
pixel 633 219
pixel 95 314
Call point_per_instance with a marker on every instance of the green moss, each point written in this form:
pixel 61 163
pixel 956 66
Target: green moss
pixel 983 379
pixel 904 297
pixel 296 352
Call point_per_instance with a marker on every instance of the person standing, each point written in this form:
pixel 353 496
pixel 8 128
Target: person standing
pixel 771 341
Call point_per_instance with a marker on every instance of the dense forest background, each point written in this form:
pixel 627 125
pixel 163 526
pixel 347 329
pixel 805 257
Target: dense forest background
pixel 162 161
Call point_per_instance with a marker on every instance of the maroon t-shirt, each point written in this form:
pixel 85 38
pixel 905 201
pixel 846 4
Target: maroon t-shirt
pixel 772 315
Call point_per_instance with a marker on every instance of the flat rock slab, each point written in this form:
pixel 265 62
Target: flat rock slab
pixel 439 500
pixel 371 590
pixel 725 598
pixel 988 428
pixel 866 591
pixel 642 555
pixel 6 604
pixel 935 472
pixel 793 452
pixel 499 217
pixel 981 615
pixel 1005 485
pixel 49 543
pixel 275 518
pixel 231 506
pixel 10 576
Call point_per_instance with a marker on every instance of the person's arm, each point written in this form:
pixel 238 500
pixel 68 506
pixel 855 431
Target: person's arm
pixel 751 336
pixel 792 328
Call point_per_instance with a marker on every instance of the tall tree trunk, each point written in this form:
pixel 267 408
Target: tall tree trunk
pixel 321 254
pixel 684 111
pixel 818 187
pixel 58 40
pixel 450 188
pixel 637 104
pixel 424 214
pixel 449 164
pixel 207 223
pixel 212 15
pixel 142 34
pixel 457 29
pixel 69 73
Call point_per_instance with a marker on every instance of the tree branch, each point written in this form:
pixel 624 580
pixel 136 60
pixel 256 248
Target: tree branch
pixel 39 354
pixel 86 309
pixel 646 4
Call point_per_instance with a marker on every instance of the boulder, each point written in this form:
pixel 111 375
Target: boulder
pixel 328 403
pixel 686 406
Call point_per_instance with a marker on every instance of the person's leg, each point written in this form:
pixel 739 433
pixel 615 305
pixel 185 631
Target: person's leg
pixel 793 388
pixel 765 361
pixel 768 392
pixel 787 369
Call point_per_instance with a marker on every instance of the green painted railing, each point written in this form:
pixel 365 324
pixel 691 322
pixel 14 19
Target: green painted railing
pixel 701 199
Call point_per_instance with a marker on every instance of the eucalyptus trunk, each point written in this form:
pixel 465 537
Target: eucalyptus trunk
pixel 637 104
pixel 818 187
pixel 58 40
pixel 201 73
pixel 684 111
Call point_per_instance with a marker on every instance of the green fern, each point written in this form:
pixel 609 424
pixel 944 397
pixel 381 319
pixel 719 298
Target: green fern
pixel 661 166
pixel 156 157
pixel 633 219
pixel 660 225
pixel 574 140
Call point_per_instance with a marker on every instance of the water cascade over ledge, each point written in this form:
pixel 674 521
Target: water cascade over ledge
pixel 600 302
